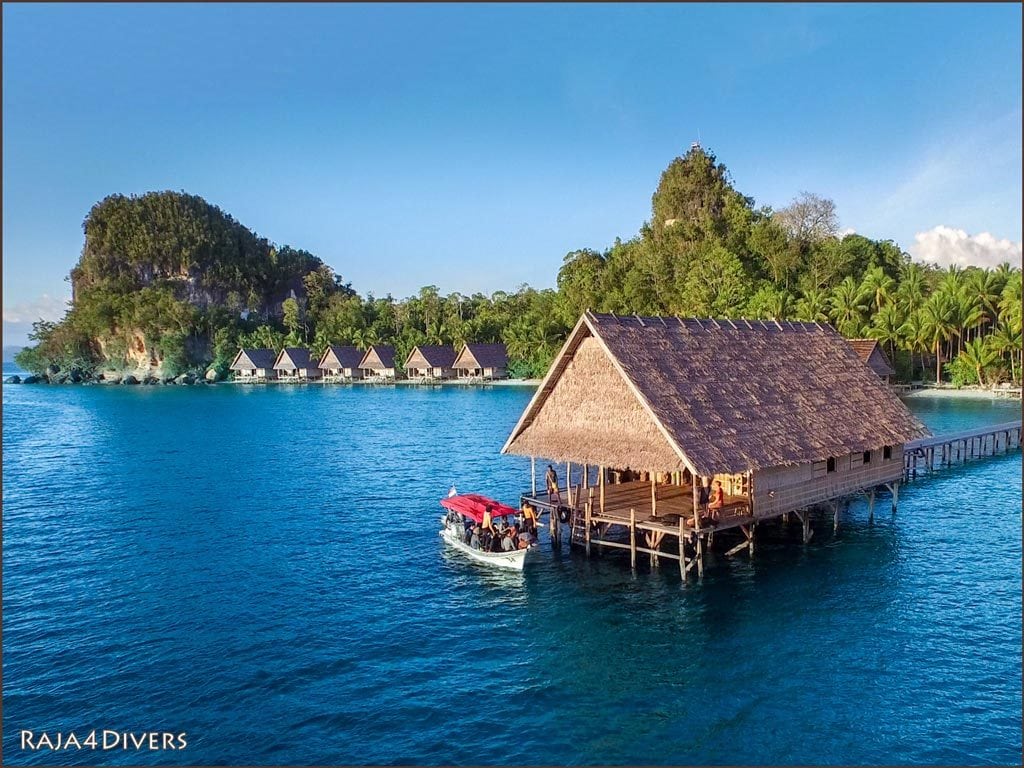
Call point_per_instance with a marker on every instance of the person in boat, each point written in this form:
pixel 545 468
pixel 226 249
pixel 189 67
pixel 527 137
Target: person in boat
pixel 488 524
pixel 508 543
pixel 486 536
pixel 551 480
pixel 717 501
pixel 474 539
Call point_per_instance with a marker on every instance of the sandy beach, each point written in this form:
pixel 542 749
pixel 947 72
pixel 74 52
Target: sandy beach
pixel 972 393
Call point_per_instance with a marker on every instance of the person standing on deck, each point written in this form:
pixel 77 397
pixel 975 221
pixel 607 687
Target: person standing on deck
pixel 704 495
pixel 551 478
pixel 717 500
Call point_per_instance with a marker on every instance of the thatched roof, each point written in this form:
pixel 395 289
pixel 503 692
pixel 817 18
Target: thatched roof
pixel 378 357
pixel 251 359
pixel 430 356
pixel 870 351
pixel 713 396
pixel 341 357
pixel 482 356
pixel 293 358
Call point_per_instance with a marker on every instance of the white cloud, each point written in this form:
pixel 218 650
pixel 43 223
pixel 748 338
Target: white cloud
pixel 46 307
pixel 945 245
pixel 18 318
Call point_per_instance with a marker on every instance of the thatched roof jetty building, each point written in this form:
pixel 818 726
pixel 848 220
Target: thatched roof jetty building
pixel 430 362
pixel 296 364
pixel 785 415
pixel 378 364
pixel 482 362
pixel 341 363
pixel 254 365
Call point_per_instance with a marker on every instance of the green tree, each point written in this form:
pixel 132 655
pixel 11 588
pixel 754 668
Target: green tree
pixel 849 306
pixel 938 320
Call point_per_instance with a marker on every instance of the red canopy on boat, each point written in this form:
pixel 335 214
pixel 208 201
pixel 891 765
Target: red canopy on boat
pixel 472 505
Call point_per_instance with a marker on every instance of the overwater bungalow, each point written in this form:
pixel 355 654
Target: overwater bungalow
pixel 429 362
pixel 870 351
pixel 784 415
pixel 378 364
pixel 296 364
pixel 341 363
pixel 482 362
pixel 254 365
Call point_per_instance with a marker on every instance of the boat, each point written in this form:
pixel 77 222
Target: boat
pixel 471 506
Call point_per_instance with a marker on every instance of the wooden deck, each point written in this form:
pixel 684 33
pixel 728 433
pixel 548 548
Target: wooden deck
pixel 931 453
pixel 672 504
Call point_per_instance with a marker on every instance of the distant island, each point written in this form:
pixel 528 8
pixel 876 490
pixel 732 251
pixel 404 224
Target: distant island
pixel 169 284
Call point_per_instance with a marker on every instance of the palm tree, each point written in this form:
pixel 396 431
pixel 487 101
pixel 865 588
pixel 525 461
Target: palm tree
pixel 912 287
pixel 979 355
pixel 848 306
pixel 813 306
pixel 886 328
pixel 878 286
pixel 1006 340
pixel 914 338
pixel 968 314
pixel 938 320
pixel 951 279
pixel 1010 302
pixel 985 286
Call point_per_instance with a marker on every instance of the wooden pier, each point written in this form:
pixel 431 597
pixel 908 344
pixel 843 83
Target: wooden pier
pixel 939 451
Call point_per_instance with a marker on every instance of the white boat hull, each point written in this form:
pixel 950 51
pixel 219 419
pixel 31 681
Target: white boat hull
pixel 514 560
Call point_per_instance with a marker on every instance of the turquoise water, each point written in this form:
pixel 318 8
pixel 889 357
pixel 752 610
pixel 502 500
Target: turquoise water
pixel 260 568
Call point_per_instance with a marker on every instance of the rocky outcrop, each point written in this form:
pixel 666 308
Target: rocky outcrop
pixel 13 379
pixel 129 379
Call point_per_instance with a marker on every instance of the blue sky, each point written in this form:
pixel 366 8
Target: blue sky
pixel 472 147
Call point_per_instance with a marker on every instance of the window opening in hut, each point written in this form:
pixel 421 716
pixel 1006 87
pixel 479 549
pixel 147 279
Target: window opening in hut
pixel 887 452
pixel 867 457
pixel 830 464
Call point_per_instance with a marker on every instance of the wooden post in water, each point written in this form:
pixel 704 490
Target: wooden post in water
pixel 568 480
pixel 632 538
pixel 871 506
pixel 835 515
pixel 654 496
pixel 895 495
pixel 586 475
pixel 682 551
pixel 600 484
pixel 533 474
pixel 586 522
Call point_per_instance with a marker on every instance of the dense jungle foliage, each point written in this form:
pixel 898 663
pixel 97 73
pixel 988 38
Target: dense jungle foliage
pixel 169 277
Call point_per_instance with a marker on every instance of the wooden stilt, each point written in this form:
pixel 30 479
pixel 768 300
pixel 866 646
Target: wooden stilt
pixel 750 537
pixel 533 474
pixel 895 495
pixel 871 506
pixel 600 483
pixel 586 523
pixel 586 475
pixel 700 558
pixel 682 552
pixel 835 515
pixel 632 538
pixel 654 496
pixel 568 480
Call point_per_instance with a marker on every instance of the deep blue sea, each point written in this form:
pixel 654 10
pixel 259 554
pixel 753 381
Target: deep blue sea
pixel 260 569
